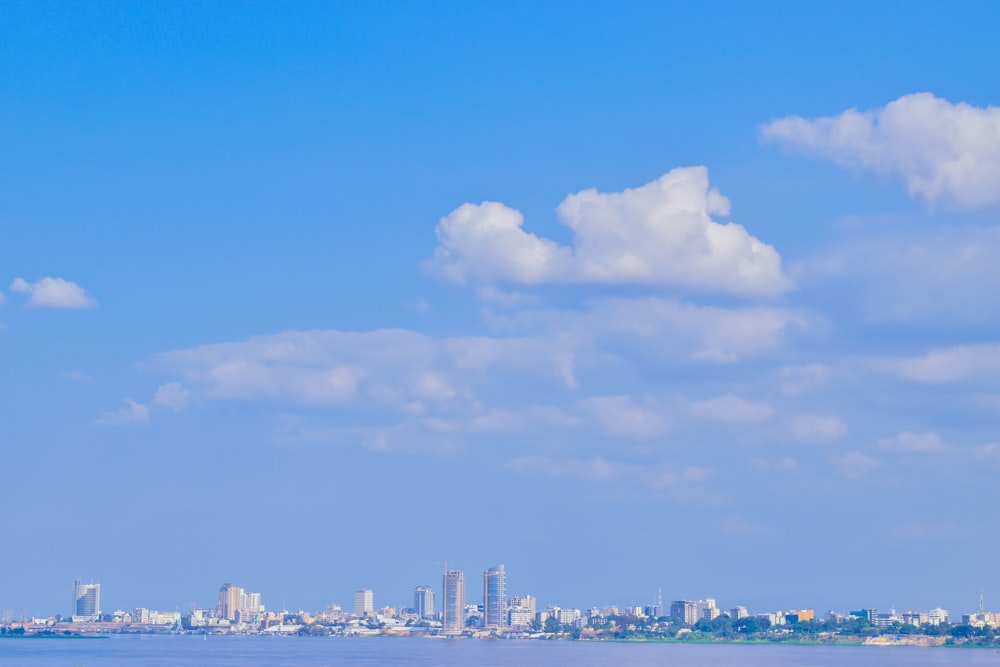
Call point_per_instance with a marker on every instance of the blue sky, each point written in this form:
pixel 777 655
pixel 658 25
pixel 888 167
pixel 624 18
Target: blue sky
pixel 311 297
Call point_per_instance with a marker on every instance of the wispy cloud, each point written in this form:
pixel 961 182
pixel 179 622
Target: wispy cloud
pixel 947 365
pixel 172 395
pixel 53 293
pixel 928 443
pixel 132 413
pixel 854 464
pixel 733 409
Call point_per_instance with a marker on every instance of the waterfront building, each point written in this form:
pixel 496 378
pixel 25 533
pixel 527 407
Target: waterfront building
pixel 140 615
pixel 886 619
pixel 684 611
pixel 738 612
pixel 524 601
pixel 364 602
pixel 568 616
pixel 707 609
pixel 495 598
pixel 914 618
pixel 937 616
pixel 453 602
pixel 800 616
pixel 423 601
pixel 230 601
pixel 520 618
pixel 86 601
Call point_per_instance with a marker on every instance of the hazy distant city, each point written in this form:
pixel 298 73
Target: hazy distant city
pixel 482 607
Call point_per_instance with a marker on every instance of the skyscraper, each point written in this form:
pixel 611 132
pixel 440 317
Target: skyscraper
pixel 230 601
pixel 86 601
pixel 364 602
pixel 453 611
pixel 423 601
pixel 495 598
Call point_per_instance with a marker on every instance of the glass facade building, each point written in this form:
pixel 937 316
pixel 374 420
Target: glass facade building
pixel 495 598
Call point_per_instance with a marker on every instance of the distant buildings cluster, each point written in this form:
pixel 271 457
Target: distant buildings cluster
pixel 498 614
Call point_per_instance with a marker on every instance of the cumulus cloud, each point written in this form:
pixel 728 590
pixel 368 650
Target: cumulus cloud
pixel 929 442
pixel 172 396
pixel 733 409
pixel 941 151
pixel 53 293
pixel 854 464
pixel 132 413
pixel 658 234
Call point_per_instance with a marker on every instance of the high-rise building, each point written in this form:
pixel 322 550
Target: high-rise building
pixel 495 598
pixel 230 602
pixel 423 601
pixel 364 602
pixel 684 611
pixel 86 601
pixel 453 604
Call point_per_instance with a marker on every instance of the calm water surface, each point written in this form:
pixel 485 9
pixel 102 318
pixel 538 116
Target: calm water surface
pixel 323 651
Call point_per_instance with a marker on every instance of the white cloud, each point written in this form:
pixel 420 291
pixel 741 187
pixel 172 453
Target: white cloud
pixel 818 427
pixel 854 464
pixel 53 293
pixel 946 365
pixel 906 441
pixel 666 329
pixel 988 452
pixel 79 376
pixel 399 369
pixel 132 413
pixel 624 417
pixel 942 151
pixel 599 469
pixel 922 276
pixel 410 437
pixel 172 396
pixel 659 234
pixel 734 409
pixel 797 380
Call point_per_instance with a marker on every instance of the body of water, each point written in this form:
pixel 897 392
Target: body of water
pixel 184 651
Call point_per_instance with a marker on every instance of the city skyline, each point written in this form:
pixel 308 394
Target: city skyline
pixel 242 608
pixel 243 612
pixel 310 297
